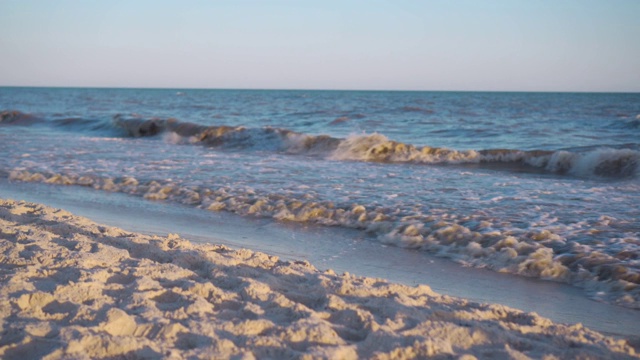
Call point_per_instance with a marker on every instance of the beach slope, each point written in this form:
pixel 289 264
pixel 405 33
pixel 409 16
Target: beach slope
pixel 72 288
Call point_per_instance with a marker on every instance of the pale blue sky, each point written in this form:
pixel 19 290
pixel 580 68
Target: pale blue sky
pixel 535 45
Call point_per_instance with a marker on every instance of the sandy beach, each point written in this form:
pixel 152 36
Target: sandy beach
pixel 72 288
pixel 328 180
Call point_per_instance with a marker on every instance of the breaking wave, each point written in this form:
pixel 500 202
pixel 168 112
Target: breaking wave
pixel 606 162
pixel 603 162
pixel 13 117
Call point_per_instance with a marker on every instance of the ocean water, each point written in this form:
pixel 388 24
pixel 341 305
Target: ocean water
pixel 543 185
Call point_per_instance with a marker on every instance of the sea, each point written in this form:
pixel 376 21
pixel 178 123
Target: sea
pixel 542 186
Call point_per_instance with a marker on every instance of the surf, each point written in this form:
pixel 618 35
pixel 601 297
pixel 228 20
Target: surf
pixel 595 161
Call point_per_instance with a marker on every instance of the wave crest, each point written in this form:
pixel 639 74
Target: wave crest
pixel 13 117
pixel 601 162
pixel 379 148
pixel 581 162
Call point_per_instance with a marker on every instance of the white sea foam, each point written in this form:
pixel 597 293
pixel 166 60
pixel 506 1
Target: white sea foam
pixel 606 162
pixel 601 162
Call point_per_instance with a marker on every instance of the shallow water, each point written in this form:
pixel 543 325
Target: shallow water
pixel 538 185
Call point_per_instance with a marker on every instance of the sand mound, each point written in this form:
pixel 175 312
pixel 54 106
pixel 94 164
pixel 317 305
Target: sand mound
pixel 71 288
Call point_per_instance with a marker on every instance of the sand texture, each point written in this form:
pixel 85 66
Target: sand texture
pixel 74 289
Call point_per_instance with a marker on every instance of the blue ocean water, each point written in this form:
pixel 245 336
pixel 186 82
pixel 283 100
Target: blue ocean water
pixel 544 185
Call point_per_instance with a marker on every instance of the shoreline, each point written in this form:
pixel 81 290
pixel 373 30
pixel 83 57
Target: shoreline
pixel 72 287
pixel 338 249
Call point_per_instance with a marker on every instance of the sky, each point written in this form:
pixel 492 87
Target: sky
pixel 457 45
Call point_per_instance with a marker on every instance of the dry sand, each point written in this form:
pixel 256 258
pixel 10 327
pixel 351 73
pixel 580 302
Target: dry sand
pixel 74 289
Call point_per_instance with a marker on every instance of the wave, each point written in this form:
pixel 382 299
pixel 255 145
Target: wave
pixel 104 126
pixel 623 122
pixel 628 123
pixel 267 138
pixel 13 117
pixel 605 161
pixel 91 125
pixel 602 162
pixel 417 109
pixel 476 240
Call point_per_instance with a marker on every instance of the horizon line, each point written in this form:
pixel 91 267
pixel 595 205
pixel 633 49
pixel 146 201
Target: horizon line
pixel 317 89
